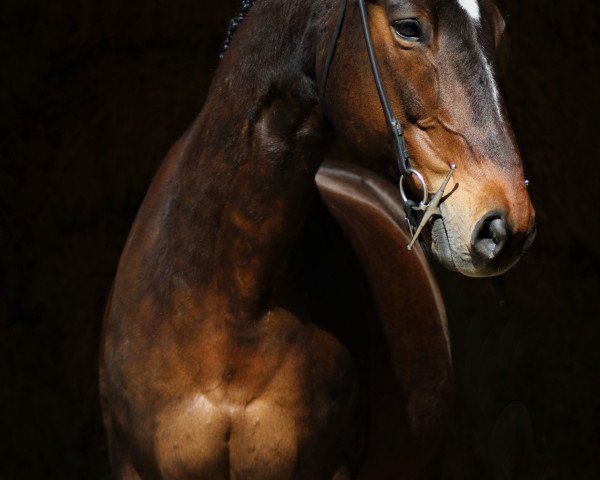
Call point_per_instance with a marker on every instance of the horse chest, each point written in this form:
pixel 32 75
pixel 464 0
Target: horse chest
pixel 282 414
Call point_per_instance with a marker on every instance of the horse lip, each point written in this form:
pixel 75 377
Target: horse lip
pixel 439 238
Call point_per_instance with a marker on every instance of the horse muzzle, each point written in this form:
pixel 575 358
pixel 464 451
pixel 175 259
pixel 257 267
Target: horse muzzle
pixel 494 245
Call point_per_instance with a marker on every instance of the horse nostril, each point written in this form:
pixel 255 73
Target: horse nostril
pixel 490 236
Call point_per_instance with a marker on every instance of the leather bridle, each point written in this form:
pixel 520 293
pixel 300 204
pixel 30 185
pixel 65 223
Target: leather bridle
pixel 426 208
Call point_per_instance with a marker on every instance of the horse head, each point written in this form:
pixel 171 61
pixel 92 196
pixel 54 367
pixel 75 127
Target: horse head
pixel 436 59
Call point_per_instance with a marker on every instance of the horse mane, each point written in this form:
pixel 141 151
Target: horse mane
pixel 234 23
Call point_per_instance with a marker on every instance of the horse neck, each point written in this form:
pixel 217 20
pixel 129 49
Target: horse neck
pixel 244 174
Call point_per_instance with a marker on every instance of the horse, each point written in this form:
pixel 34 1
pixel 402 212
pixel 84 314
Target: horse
pixel 245 336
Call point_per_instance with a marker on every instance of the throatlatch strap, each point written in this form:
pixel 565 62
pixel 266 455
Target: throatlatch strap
pixel 332 48
pixel 396 128
pixel 400 149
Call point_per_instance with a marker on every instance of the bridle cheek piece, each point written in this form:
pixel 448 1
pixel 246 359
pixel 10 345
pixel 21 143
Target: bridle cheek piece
pixel 426 208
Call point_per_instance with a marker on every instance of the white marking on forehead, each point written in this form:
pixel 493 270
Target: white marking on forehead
pixel 493 84
pixel 471 7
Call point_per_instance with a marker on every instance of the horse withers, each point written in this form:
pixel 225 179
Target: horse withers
pixel 214 364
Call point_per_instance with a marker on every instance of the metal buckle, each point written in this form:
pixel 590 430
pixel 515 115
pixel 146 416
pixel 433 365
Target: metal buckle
pixel 430 208
pixel 423 184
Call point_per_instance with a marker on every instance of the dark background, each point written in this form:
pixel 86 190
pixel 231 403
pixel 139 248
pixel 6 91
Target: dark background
pixel 92 95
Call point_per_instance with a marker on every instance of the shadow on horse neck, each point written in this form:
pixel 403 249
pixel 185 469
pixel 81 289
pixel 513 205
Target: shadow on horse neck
pixel 234 191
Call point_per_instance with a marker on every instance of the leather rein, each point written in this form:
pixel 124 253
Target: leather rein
pixel 426 208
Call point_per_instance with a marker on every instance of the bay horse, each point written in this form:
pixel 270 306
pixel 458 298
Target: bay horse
pixel 216 360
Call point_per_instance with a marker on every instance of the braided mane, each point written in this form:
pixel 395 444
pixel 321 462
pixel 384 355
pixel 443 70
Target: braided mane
pixel 234 23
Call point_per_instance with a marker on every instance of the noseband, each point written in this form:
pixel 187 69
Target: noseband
pixel 426 208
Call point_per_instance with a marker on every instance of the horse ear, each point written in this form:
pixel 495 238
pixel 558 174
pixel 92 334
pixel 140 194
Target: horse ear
pixel 498 24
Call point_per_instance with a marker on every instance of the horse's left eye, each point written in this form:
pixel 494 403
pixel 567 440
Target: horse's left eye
pixel 409 30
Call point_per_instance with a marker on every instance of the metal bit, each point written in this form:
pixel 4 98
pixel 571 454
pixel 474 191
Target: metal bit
pixel 432 208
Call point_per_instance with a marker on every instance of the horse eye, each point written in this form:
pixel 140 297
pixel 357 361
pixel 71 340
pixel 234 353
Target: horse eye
pixel 409 30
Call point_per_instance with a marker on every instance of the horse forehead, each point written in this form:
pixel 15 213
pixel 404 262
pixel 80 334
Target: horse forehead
pixel 471 7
